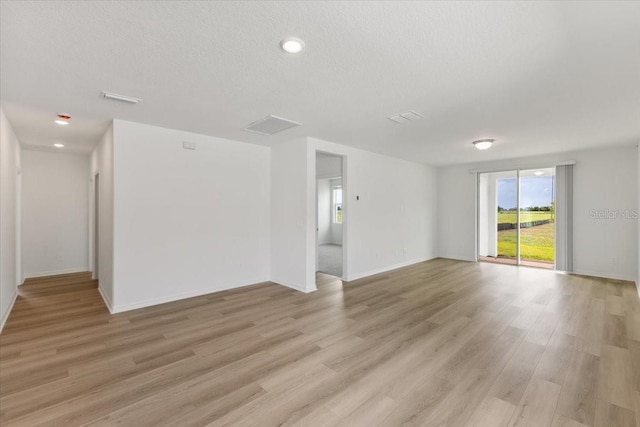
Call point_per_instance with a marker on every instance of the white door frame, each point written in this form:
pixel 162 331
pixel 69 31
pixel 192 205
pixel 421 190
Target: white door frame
pixel 18 223
pixel 95 224
pixel 345 211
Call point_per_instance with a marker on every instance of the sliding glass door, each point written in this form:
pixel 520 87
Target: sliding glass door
pixel 516 217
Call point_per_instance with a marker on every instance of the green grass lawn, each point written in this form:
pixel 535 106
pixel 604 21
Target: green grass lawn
pixel 536 243
pixel 525 216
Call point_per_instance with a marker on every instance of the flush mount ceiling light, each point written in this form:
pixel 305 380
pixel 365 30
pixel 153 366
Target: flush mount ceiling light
pixel 124 98
pixel 57 145
pixel 483 144
pixel 63 119
pixel 292 45
pixel 538 173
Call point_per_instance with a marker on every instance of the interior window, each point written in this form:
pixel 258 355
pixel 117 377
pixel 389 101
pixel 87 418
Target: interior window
pixel 337 205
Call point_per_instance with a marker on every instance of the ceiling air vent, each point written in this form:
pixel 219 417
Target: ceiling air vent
pixel 406 117
pixel 270 125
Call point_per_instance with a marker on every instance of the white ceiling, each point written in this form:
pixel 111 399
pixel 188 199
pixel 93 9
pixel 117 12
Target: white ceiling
pixel 539 77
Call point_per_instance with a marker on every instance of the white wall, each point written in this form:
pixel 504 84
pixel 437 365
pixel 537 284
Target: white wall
pixel 10 165
pixel 393 222
pixel 328 166
pixel 290 215
pixel 456 213
pixel 55 212
pixel 603 179
pixel 187 222
pixel 101 163
pixel 324 211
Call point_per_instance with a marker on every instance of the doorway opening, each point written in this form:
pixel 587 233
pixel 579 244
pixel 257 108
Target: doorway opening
pixel 516 217
pixel 330 214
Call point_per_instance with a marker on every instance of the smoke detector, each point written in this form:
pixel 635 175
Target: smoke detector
pixel 123 98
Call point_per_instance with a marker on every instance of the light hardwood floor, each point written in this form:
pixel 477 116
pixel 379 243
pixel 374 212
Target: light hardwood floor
pixel 441 343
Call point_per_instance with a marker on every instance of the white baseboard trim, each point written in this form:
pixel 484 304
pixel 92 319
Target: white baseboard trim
pixel 292 286
pixel 55 272
pixel 604 275
pixel 458 257
pixel 106 300
pixel 183 295
pixel 357 276
pixel 6 315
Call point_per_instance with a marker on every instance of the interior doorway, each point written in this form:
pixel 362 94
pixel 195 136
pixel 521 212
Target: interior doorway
pixel 96 224
pixel 516 217
pixel 330 214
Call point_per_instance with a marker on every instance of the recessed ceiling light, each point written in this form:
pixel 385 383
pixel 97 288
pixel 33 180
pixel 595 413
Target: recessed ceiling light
pixel 57 145
pixel 538 173
pixel 483 144
pixel 61 122
pixel 292 45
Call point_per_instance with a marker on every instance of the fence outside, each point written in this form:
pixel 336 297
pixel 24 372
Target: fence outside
pixel 512 226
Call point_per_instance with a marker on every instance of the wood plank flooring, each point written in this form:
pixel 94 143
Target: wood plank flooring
pixel 440 343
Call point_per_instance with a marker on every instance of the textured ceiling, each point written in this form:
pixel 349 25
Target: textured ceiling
pixel 539 77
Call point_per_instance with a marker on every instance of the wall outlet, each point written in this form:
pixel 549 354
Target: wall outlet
pixel 614 260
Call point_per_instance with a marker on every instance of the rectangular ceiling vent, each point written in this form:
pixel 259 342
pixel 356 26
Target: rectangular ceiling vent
pixel 406 117
pixel 270 125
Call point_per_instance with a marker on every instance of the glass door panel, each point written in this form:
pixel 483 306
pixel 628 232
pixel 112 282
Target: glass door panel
pixel 537 217
pixel 497 221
